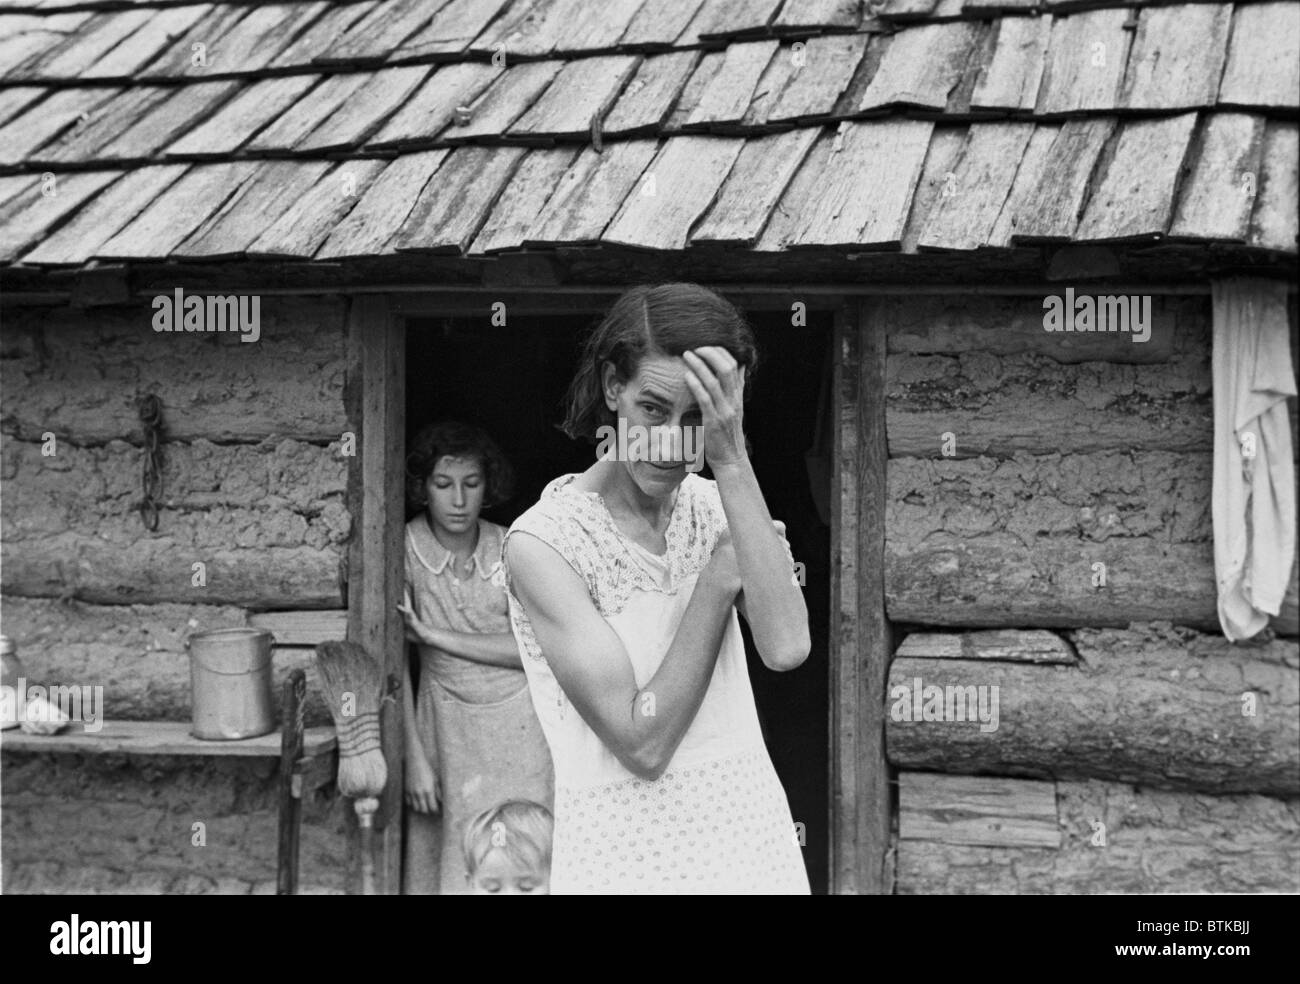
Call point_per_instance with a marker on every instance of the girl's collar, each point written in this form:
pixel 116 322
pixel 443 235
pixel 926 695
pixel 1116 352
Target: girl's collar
pixel 433 555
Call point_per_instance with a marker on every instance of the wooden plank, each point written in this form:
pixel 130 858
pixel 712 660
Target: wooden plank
pixel 921 66
pixel 543 30
pixel 707 67
pixel 156 129
pixel 677 188
pixel 1050 211
pixel 590 193
pixel 938 174
pixel 357 117
pixel 265 196
pixel 885 156
pixel 582 91
pixel 732 87
pixel 600 25
pixel 987 810
pixel 966 210
pixel 157 738
pixel 658 25
pixel 109 120
pixel 1011 80
pixel 312 43
pixel 1029 175
pixel 905 10
pixel 15 99
pixel 760 175
pixel 164 224
pixel 828 15
pixel 84 46
pixel 25 37
pixel 239 39
pixel 768 89
pixel 828 65
pixel 451 208
pixel 428 111
pixel 1007 645
pixel 452 29
pixel 1263 57
pixel 381 32
pixel 1177 57
pixel 94 224
pixel 1216 199
pixel 1273 224
pixel 383 207
pixel 508 98
pixel 252 108
pixel 299 232
pixel 1136 194
pixel 25 217
pixel 523 198
pixel 647 98
pixel 161 30
pixel 43 121
pixel 307 113
pixel 1085 62
pixel 728 19
pixel 12 185
pixel 492 40
pixel 302 628
pixel 376 411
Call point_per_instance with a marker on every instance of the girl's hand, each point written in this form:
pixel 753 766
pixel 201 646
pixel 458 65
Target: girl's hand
pixel 717 382
pixel 416 630
pixel 422 791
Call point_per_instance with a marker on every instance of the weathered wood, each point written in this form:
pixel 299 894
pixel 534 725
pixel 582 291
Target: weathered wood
pixel 581 92
pixel 1177 57
pixel 236 39
pixel 15 99
pixel 1006 645
pixel 591 192
pixel 921 66
pixel 990 811
pixel 452 29
pixel 451 208
pixel 768 90
pixel 157 738
pixel 1263 68
pixel 304 115
pixel 823 14
pixel 160 125
pixel 905 10
pixel 658 25
pixel 539 30
pixel 1050 210
pixel 732 87
pixel 1012 77
pixel 382 207
pixel 26 217
pixel 492 39
pixel 1150 704
pixel 647 98
pixel 83 47
pixel 301 230
pixel 676 189
pixel 505 100
pixel 523 198
pixel 106 123
pixel 290 798
pixel 161 30
pixel 1085 62
pixel 728 19
pixel 1135 197
pixel 323 32
pixel 966 209
pixel 705 69
pixel 1029 177
pixel 984 8
pixel 77 373
pixel 252 108
pixel 26 37
pixel 1120 838
pixel 21 137
pixel 363 113
pixel 814 87
pixel 428 111
pixel 938 173
pixel 761 172
pixel 1216 199
pixel 381 32
pixel 598 27
pixel 1274 224
pixel 302 628
pixel 270 192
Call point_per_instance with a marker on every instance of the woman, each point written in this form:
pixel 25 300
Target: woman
pixel 624 585
pixel 472 739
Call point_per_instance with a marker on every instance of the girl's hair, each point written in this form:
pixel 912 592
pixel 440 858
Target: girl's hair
pixel 667 319
pixel 457 440
pixel 521 828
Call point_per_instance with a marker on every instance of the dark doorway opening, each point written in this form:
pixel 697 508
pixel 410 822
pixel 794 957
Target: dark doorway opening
pixel 510 380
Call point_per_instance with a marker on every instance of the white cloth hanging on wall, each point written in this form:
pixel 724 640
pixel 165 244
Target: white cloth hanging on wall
pixel 1254 498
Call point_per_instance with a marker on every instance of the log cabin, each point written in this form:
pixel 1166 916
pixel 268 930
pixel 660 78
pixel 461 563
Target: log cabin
pixel 895 192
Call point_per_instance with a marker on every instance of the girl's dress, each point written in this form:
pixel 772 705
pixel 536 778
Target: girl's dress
pixel 489 745
pixel 717 820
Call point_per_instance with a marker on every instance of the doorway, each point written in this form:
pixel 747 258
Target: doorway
pixel 510 380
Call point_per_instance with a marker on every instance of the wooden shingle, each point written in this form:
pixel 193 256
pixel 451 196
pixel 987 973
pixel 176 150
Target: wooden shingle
pixel 757 180
pixel 305 114
pixel 727 97
pixel 921 66
pixel 987 8
pixel 505 100
pixel 938 175
pixel 109 121
pixel 26 37
pixel 705 69
pixel 159 31
pixel 1029 175
pixel 522 199
pixel 383 207
pixel 1217 198
pixel 382 31
pixel 1011 79
pixel 83 47
pixel 1135 198
pixel 33 128
pixel 969 205
pixel 583 90
pixel 1263 57
pixel 159 126
pixel 252 108
pixel 659 25
pixel 512 18
pixel 646 99
pixel 828 65
pixel 268 193
pixel 26 216
pixel 542 31
pixel 1085 62
pixel 428 110
pixel 1273 224
pixel 16 98
pixel 906 10
pixel 818 15
pixel 299 232
pixel 235 39
pixel 1050 211
pixel 718 19
pixel 676 189
pixel 600 26
pixel 357 117
pixel 449 211
pixel 321 33
pixel 1177 57
pixel 452 29
pixel 590 192
pixel 769 87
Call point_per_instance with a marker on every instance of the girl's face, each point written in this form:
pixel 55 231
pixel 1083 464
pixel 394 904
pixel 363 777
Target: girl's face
pixel 455 490
pixel 497 874
pixel 656 397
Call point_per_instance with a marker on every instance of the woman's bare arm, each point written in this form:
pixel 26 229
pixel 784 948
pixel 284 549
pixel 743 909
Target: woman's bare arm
pixel 642 727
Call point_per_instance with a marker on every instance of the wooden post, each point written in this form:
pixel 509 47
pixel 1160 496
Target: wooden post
pixel 376 404
pixel 861 807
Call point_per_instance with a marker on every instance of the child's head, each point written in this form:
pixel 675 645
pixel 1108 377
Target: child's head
pixel 454 470
pixel 508 850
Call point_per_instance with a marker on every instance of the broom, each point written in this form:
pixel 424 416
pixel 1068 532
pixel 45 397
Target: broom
pixel 353 681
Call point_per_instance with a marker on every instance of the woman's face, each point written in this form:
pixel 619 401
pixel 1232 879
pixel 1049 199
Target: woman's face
pixel 657 397
pixel 455 490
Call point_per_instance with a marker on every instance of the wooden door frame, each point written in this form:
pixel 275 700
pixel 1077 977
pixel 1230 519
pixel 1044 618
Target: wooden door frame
pixel 860 807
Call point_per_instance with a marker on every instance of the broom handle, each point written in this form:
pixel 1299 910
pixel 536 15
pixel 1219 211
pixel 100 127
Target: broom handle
pixel 365 820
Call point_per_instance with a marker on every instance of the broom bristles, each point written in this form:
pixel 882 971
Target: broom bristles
pixel 346 668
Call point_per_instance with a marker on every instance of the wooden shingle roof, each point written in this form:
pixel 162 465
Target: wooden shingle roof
pixel 313 130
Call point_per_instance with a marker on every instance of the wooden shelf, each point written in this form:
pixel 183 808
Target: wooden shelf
pixel 159 738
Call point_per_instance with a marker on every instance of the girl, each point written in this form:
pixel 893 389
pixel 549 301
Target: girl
pixel 472 739
pixel 624 585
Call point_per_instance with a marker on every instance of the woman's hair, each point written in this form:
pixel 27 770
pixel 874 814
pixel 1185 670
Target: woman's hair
pixel 521 828
pixel 458 440
pixel 667 319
